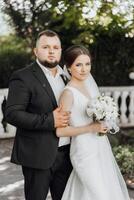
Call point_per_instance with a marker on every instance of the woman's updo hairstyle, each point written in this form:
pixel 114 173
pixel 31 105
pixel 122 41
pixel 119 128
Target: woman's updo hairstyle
pixel 73 52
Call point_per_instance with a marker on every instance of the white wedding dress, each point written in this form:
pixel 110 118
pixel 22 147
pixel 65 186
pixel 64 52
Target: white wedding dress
pixel 95 175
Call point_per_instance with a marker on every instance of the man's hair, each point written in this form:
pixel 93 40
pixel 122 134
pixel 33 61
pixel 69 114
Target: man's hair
pixel 47 33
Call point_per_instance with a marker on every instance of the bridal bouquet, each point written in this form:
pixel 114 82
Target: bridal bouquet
pixel 103 108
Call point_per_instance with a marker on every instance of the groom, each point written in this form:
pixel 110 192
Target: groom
pixel 34 92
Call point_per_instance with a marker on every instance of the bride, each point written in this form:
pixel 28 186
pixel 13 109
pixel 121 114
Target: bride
pixel 95 175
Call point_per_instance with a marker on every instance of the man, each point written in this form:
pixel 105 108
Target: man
pixel 32 107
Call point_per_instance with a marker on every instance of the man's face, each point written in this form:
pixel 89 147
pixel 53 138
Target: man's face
pixel 48 51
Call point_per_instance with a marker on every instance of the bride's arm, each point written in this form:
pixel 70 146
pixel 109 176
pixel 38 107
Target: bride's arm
pixel 79 130
pixel 66 101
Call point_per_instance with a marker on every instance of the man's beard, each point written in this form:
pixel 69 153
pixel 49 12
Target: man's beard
pixel 49 64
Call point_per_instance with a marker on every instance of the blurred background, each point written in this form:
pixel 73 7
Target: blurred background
pixel 106 28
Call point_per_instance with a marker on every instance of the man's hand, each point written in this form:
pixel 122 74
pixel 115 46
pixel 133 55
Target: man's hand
pixel 61 118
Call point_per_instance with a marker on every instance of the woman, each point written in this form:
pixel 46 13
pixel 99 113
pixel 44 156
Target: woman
pixel 95 174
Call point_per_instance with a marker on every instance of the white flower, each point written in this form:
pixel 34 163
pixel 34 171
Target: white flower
pixel 104 108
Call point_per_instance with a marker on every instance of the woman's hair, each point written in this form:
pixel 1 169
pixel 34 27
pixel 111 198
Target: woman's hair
pixel 73 52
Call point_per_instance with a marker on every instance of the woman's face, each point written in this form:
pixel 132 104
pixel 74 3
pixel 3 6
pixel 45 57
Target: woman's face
pixel 81 67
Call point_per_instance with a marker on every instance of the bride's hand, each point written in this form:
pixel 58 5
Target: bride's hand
pixel 99 127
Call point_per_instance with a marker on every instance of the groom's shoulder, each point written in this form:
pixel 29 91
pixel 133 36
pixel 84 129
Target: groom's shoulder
pixel 26 71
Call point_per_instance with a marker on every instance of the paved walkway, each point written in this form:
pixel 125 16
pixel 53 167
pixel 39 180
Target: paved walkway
pixel 11 180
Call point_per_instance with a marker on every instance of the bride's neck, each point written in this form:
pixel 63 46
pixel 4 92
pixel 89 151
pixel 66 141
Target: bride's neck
pixel 77 83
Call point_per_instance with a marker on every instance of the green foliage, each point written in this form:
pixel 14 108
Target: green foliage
pixel 113 59
pixel 71 19
pixel 105 27
pixel 28 17
pixel 125 158
pixel 13 55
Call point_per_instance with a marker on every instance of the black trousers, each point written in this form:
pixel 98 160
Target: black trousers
pixel 38 182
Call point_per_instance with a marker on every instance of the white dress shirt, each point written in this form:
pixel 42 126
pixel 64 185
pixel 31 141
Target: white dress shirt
pixel 57 86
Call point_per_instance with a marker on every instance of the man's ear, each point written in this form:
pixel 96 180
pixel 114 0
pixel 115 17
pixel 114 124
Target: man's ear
pixel 35 51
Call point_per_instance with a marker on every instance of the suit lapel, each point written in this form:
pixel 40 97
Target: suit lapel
pixel 38 73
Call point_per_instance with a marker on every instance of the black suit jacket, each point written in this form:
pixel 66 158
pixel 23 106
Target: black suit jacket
pixel 30 104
